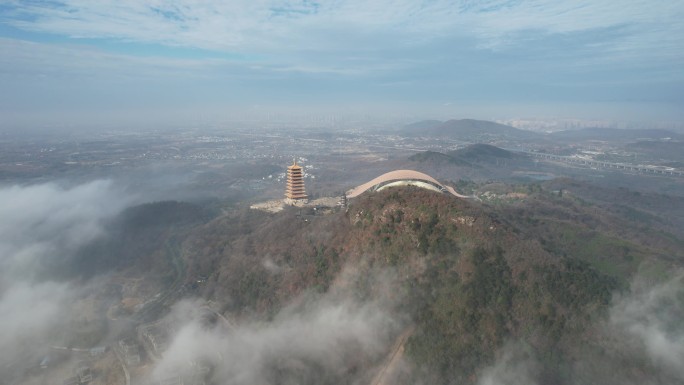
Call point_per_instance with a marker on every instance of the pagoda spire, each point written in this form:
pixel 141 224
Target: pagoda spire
pixel 294 191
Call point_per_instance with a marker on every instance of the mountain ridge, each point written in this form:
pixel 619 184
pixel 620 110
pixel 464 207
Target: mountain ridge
pixel 469 129
pixel 473 270
pixel 602 133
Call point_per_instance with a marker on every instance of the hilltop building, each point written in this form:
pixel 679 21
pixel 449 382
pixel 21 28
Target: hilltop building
pixel 294 191
pixel 402 178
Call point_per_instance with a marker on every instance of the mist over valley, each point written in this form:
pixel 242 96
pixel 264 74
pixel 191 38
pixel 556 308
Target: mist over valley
pixel 547 272
pixel 305 192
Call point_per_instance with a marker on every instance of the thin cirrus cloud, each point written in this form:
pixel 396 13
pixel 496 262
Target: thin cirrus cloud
pixel 427 50
pixel 270 25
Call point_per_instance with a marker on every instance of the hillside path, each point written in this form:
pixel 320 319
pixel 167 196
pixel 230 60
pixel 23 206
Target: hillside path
pixel 384 376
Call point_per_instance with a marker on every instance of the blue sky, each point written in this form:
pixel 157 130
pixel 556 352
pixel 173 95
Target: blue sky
pixel 72 60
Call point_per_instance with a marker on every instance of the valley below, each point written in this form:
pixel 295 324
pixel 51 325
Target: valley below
pixel 540 273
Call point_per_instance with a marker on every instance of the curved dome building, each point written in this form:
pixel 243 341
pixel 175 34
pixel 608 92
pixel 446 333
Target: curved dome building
pixel 402 178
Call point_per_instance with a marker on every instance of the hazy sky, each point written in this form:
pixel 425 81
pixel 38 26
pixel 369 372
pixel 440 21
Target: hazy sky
pixel 80 59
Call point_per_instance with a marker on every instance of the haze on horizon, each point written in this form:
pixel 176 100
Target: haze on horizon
pixel 80 62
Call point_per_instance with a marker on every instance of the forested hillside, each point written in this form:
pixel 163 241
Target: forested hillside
pixel 539 271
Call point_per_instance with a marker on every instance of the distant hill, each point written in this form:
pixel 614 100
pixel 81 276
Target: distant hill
pixel 437 158
pixel 423 124
pixel 483 152
pixel 670 150
pixel 615 134
pixel 469 129
pixel 137 231
pixel 468 156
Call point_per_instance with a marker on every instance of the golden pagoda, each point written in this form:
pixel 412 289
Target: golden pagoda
pixel 295 183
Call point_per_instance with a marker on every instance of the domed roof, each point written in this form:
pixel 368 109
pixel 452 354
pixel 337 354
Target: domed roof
pixel 400 175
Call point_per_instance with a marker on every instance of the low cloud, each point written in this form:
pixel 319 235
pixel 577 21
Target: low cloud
pixel 515 365
pixel 42 226
pixel 46 222
pixel 653 316
pixel 30 314
pixel 314 340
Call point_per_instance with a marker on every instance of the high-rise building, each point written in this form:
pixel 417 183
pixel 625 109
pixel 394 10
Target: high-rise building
pixel 294 191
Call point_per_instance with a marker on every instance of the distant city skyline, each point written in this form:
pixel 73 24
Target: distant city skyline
pixel 76 62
